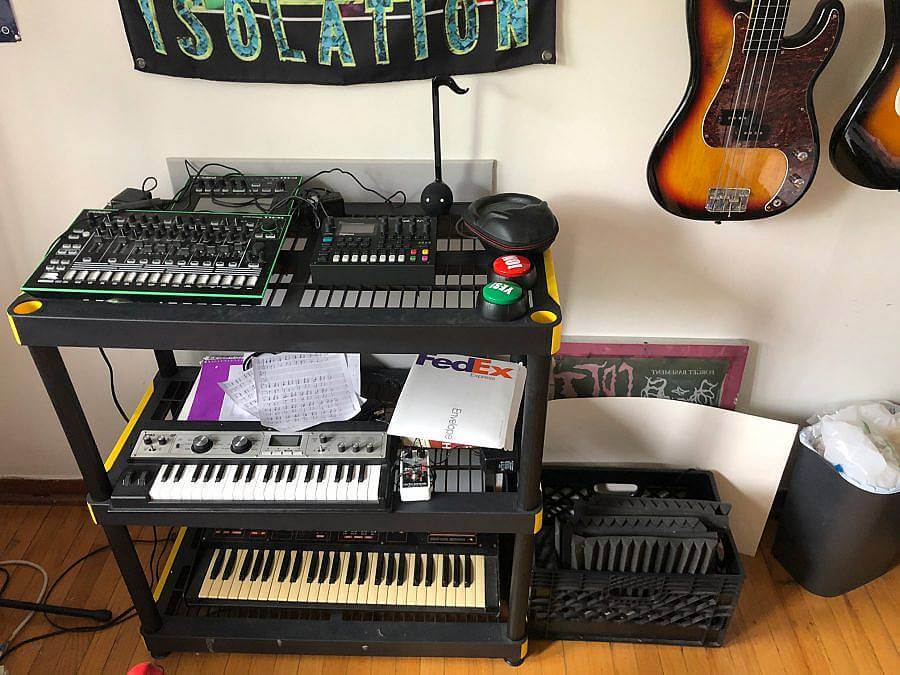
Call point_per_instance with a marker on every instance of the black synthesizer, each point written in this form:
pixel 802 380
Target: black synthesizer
pixel 345 464
pixel 159 254
pixel 235 193
pixel 376 251
pixel 347 570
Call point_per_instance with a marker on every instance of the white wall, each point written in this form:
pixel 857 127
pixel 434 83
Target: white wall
pixel 816 290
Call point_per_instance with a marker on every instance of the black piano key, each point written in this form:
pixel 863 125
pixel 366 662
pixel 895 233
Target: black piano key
pixel 445 572
pixel 208 474
pixel 217 565
pixel 362 473
pixel 198 471
pixel 220 474
pixel 313 567
pixel 285 566
pixel 325 567
pixel 320 476
pixel 269 471
pixel 309 473
pixel 297 567
pixel 168 472
pixel 470 573
pixel 457 571
pixel 251 471
pixel 292 473
pixel 229 564
pixel 339 473
pixel 417 570
pixel 363 568
pixel 351 472
pixel 335 568
pixel 401 569
pixel 238 473
pixel 279 474
pixel 379 568
pixel 351 569
pixel 245 568
pixel 267 567
pixel 180 472
pixel 429 569
pixel 258 557
pixel 391 571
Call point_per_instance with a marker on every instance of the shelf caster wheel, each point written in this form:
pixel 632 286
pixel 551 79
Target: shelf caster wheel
pixel 515 663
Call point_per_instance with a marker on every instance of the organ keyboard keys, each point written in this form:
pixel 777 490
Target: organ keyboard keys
pixel 401 571
pixel 435 580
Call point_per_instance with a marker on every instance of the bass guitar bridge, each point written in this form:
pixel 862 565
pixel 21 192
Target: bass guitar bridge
pixel 728 200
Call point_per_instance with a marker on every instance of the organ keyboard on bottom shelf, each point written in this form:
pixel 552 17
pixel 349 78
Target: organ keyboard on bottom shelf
pixel 342 464
pixel 350 570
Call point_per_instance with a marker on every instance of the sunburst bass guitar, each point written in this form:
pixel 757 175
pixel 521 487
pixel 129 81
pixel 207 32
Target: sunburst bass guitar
pixel 865 146
pixel 744 143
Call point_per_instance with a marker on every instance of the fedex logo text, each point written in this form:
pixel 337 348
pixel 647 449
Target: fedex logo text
pixel 473 365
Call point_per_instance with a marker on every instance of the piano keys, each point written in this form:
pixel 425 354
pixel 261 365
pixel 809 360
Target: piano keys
pixel 345 482
pixel 346 574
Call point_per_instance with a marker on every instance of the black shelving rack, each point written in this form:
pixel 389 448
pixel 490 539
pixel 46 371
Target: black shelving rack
pixel 296 315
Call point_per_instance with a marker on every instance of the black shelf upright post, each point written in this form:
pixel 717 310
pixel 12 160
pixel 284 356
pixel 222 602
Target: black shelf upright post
pixel 55 376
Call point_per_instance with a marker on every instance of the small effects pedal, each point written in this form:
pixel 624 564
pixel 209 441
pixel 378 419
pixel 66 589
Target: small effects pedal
pixel 416 479
pixel 376 251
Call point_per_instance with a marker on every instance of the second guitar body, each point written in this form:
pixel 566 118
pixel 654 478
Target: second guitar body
pixel 865 146
pixel 744 143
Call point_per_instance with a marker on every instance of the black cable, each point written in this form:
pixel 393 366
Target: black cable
pixel 147 180
pixel 120 618
pixel 112 385
pixel 387 200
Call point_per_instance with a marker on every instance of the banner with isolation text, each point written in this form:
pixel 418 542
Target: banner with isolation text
pixel 337 41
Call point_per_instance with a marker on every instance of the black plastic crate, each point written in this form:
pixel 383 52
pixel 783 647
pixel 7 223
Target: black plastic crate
pixel 678 609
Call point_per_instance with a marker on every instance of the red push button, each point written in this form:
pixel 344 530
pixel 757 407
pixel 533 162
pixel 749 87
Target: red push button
pixel 512 266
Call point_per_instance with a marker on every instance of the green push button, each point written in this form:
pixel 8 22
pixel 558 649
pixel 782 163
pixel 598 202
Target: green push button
pixel 501 293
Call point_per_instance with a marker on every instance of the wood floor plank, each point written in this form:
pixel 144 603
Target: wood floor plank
pixel 74 590
pixel 778 627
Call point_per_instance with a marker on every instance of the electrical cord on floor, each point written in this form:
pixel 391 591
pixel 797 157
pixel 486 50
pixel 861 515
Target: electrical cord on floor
pixel 112 384
pixel 7 648
pixel 4 650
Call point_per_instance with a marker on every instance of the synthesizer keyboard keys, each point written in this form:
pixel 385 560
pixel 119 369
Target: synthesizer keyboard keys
pixel 281 482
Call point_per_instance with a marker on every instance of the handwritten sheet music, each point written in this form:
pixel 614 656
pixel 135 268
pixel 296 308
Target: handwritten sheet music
pixel 240 396
pixel 297 391
pixel 242 391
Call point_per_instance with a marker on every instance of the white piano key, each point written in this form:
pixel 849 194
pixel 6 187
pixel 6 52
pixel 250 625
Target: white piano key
pixel 394 298
pixel 322 298
pixel 380 300
pixel 423 301
pixel 269 485
pixel 372 480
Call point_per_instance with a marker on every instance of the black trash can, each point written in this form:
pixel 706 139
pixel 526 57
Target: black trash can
pixel 833 536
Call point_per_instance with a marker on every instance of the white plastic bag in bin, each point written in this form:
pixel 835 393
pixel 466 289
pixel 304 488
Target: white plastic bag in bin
pixel 862 442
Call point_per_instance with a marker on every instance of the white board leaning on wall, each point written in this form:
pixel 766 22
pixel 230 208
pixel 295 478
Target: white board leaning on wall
pixel 747 454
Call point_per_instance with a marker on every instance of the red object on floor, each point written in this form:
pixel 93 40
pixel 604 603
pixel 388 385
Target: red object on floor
pixel 146 669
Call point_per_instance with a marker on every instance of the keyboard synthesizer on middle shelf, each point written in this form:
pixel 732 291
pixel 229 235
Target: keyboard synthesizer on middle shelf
pixel 340 464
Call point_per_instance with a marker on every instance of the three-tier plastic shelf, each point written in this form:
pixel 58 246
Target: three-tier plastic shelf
pixel 296 315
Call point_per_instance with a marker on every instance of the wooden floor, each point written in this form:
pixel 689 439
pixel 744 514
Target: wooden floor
pixel 778 626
